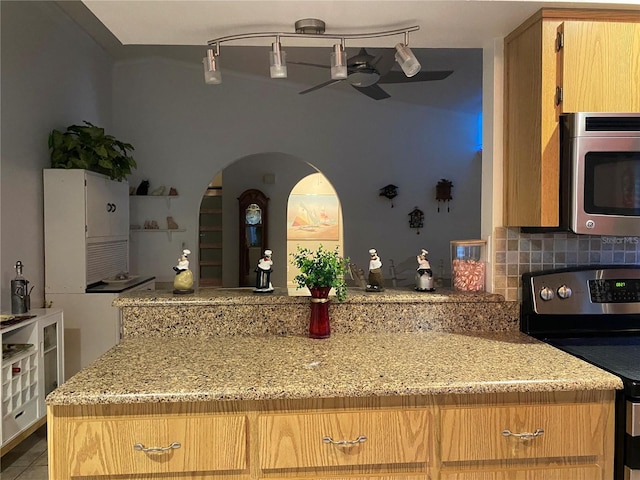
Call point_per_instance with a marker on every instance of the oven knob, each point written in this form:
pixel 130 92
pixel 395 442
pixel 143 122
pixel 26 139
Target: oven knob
pixel 546 294
pixel 564 291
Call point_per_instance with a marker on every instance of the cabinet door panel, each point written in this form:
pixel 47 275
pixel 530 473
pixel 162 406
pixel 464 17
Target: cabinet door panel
pixel 601 67
pixel 475 434
pixel 207 443
pixel 296 440
pixel 583 473
pixel 107 207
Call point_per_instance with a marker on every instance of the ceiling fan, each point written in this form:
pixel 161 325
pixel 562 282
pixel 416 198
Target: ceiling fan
pixel 365 72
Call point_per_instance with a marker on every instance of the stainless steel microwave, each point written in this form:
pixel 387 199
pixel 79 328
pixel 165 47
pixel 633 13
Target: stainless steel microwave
pixel 600 173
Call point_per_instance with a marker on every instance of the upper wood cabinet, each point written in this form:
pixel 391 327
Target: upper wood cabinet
pixel 560 61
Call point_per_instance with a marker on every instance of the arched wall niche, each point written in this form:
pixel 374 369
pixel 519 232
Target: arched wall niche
pixel 275 174
pixel 314 218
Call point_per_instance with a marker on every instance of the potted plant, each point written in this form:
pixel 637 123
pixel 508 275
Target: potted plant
pixel 89 148
pixel 320 271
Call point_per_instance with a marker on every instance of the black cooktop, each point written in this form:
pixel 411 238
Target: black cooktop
pixel 619 355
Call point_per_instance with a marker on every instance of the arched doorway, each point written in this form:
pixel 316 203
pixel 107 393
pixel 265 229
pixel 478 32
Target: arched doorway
pixel 314 217
pixel 273 173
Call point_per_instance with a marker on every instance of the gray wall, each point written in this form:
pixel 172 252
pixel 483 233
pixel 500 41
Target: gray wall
pixel 53 75
pixel 185 131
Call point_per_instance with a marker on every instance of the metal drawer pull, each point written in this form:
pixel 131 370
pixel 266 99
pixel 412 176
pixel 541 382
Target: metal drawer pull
pixel 142 448
pixel 344 443
pixel 523 436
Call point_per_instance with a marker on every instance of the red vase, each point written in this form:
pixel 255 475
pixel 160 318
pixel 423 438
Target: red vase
pixel 319 324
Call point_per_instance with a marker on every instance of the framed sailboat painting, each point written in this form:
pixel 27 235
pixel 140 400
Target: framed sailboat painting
pixel 313 217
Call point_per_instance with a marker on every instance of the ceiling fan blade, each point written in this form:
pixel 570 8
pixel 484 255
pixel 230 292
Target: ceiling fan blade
pixel 325 84
pixel 308 64
pixel 428 76
pixel 384 62
pixel 373 91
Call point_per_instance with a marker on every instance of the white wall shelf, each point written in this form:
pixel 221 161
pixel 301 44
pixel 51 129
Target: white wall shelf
pixel 167 198
pixel 159 230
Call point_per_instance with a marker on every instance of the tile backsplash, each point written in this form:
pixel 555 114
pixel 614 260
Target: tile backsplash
pixel 515 253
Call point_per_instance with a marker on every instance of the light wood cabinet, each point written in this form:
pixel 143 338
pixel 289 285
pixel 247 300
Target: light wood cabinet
pixel 560 61
pixel 562 435
pixel 536 431
pixel 295 441
pixel 130 446
pixel 579 473
pixel 447 437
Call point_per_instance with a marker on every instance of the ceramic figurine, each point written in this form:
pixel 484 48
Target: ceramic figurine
pixel 171 223
pixel 424 275
pixel 183 281
pixel 263 273
pixel 375 281
pixel 143 188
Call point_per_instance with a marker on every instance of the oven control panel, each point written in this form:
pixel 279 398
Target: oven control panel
pixel 615 290
pixel 606 290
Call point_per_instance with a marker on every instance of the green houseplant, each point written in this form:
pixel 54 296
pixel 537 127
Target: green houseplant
pixel 320 271
pixel 322 268
pixel 89 148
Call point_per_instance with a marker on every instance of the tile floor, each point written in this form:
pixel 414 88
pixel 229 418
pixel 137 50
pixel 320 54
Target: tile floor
pixel 27 461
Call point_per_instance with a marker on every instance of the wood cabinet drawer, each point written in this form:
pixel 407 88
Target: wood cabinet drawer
pixel 207 443
pixel 296 440
pixel 570 430
pixel 399 476
pixel 581 473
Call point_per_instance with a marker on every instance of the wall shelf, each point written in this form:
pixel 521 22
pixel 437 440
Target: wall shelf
pixel 168 231
pixel 166 197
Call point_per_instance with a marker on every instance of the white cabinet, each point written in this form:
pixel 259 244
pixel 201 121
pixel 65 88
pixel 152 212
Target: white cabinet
pixel 32 366
pixel 107 208
pixel 92 325
pixel 86 229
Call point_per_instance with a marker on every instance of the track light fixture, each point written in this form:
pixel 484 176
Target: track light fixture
pixel 277 60
pixel 406 59
pixel 338 62
pixel 212 74
pixel 311 28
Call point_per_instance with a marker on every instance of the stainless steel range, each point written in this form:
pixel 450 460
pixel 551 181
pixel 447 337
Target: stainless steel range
pixel 594 313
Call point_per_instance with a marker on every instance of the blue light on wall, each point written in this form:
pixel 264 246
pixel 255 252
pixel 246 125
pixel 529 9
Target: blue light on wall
pixel 479 132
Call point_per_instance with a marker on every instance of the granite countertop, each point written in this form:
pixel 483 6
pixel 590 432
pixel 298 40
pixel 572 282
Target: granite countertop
pixel 246 296
pixel 184 369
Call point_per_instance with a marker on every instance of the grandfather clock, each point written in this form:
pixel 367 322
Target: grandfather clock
pixel 253 233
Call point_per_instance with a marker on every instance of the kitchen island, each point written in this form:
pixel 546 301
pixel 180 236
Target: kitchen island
pixel 376 405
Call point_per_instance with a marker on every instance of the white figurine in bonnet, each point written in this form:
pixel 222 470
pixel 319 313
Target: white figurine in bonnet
pixel 263 273
pixel 424 275
pixel 375 280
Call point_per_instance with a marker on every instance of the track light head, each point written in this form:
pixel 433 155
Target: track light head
pixel 407 60
pixel 338 62
pixel 212 74
pixel 277 61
